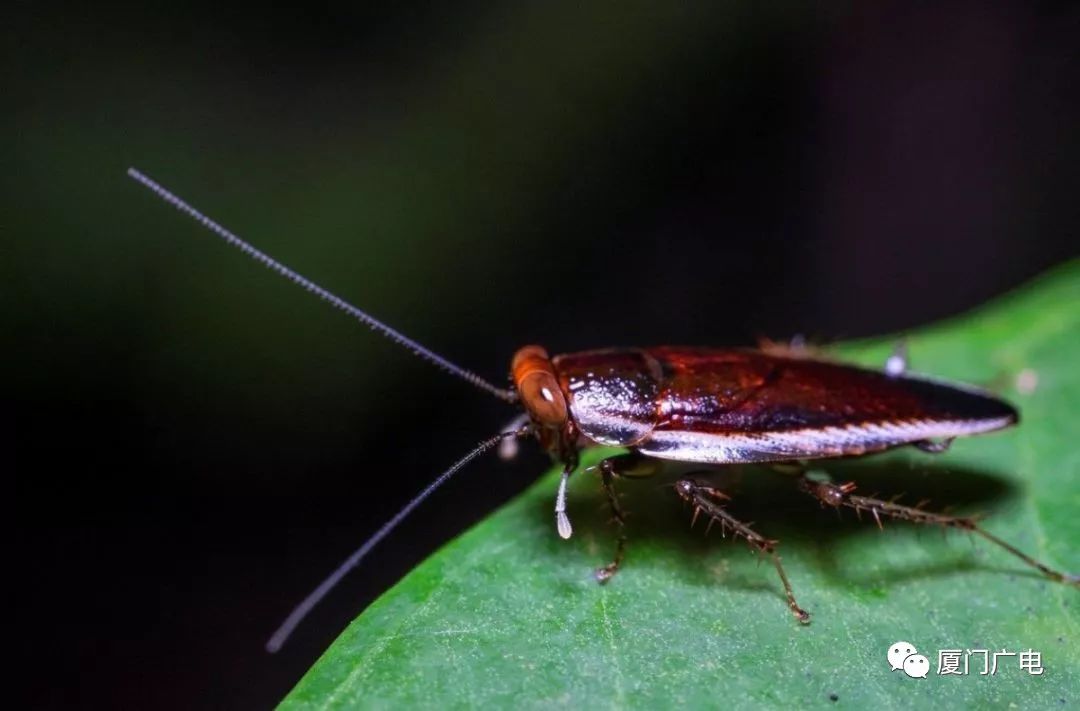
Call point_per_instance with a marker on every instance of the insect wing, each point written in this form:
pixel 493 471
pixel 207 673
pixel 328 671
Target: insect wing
pixel 781 408
pixel 728 405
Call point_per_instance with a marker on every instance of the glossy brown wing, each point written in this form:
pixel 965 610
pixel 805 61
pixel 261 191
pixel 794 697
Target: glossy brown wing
pixel 728 405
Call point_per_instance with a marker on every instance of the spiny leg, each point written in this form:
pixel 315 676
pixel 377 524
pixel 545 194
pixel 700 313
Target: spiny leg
pixel 837 495
pixel 607 478
pixel 628 465
pixel 705 499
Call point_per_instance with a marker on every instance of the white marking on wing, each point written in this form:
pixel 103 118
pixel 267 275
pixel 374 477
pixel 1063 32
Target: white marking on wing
pixel 806 443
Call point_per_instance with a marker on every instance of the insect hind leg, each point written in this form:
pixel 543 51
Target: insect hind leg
pixel 841 495
pixel 707 500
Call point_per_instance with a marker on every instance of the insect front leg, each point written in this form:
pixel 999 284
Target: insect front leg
pixel 630 465
pixel 707 500
pixel 840 495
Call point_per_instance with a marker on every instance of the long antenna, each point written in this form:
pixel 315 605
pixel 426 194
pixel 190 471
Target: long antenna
pixel 334 300
pixel 308 603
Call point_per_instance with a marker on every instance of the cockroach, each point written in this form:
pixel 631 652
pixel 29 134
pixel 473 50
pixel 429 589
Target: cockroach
pixel 706 406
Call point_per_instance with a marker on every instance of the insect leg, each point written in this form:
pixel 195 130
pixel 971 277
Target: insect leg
pixel 630 465
pixel 837 495
pixel 706 500
pixel 607 478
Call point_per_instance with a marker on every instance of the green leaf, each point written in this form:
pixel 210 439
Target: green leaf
pixel 509 616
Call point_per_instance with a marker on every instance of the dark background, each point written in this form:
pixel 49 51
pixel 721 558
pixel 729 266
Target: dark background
pixel 198 442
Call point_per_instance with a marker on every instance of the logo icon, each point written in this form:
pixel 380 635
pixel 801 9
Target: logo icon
pixel 916 666
pixel 904 656
pixel 898 653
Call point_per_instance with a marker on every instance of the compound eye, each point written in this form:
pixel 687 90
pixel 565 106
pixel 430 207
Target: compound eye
pixel 540 393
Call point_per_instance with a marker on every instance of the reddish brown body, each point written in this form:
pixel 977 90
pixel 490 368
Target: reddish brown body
pixel 722 406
